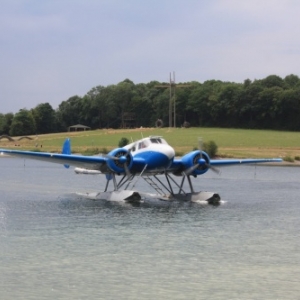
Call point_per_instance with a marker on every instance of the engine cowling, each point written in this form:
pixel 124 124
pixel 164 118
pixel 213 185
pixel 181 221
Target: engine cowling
pixel 196 162
pixel 117 158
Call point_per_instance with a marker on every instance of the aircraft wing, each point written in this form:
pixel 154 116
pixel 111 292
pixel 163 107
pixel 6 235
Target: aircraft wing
pixel 227 162
pixel 88 162
pixel 198 162
pixel 117 161
pixel 120 161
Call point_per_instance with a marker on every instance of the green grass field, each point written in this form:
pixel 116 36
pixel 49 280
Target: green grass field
pixel 238 143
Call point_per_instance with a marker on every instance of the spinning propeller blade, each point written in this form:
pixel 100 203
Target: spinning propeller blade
pixel 190 170
pixel 201 161
pixel 123 160
pixel 214 169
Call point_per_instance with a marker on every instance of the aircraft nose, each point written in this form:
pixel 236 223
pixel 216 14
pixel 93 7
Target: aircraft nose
pixel 170 152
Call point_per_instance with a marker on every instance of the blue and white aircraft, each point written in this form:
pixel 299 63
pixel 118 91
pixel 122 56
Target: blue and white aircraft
pixel 147 158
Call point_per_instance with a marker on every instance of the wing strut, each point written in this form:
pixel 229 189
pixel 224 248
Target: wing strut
pixel 179 186
pixel 138 177
pixel 190 184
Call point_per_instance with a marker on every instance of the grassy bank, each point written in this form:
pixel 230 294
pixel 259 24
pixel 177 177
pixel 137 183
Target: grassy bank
pixel 231 142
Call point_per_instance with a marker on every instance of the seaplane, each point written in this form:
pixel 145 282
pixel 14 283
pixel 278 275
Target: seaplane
pixel 151 159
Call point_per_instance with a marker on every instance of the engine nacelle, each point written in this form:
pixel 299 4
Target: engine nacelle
pixel 198 159
pixel 117 158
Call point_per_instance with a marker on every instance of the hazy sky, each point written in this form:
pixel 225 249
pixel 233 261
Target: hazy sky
pixel 54 49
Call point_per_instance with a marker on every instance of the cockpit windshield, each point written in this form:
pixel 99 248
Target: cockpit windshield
pixel 146 142
pixel 157 140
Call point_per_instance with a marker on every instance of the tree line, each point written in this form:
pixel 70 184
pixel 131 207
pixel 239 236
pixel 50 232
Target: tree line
pixel 269 103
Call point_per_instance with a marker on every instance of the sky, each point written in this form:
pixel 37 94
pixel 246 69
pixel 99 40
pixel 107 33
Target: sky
pixel 52 50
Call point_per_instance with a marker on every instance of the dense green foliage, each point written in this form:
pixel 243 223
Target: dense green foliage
pixel 23 123
pixel 269 103
pixel 210 148
pixel 123 142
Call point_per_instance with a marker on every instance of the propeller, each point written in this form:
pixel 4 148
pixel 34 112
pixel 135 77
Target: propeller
pixel 191 169
pixel 122 159
pixel 201 161
pixel 214 169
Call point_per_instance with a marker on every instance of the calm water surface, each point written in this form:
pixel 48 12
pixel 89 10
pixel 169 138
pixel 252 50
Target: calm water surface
pixel 57 245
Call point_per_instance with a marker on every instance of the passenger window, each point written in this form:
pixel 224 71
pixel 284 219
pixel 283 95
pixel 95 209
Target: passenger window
pixel 142 145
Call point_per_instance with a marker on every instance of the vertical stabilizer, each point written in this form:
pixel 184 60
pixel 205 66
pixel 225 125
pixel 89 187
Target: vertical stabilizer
pixel 66 149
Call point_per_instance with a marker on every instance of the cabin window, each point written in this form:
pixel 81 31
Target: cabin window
pixel 142 145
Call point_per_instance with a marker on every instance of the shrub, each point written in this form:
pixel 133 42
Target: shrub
pixel 123 142
pixel 104 150
pixel 210 148
pixel 288 159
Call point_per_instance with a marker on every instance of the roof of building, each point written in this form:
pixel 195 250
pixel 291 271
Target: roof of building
pixel 79 126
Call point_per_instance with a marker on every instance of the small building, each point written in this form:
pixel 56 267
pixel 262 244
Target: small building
pixel 78 127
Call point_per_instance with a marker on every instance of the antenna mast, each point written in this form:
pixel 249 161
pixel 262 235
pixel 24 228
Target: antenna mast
pixel 172 100
pixel 172 106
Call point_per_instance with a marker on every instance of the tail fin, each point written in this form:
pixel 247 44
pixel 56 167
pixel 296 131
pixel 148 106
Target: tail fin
pixel 66 149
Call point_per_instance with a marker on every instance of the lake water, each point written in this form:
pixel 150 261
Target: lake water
pixel 57 245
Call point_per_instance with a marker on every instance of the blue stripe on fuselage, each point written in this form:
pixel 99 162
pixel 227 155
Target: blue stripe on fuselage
pixel 153 160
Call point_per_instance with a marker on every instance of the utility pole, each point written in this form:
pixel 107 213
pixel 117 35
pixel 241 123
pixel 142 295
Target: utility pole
pixel 171 86
pixel 172 101
pixel 172 95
